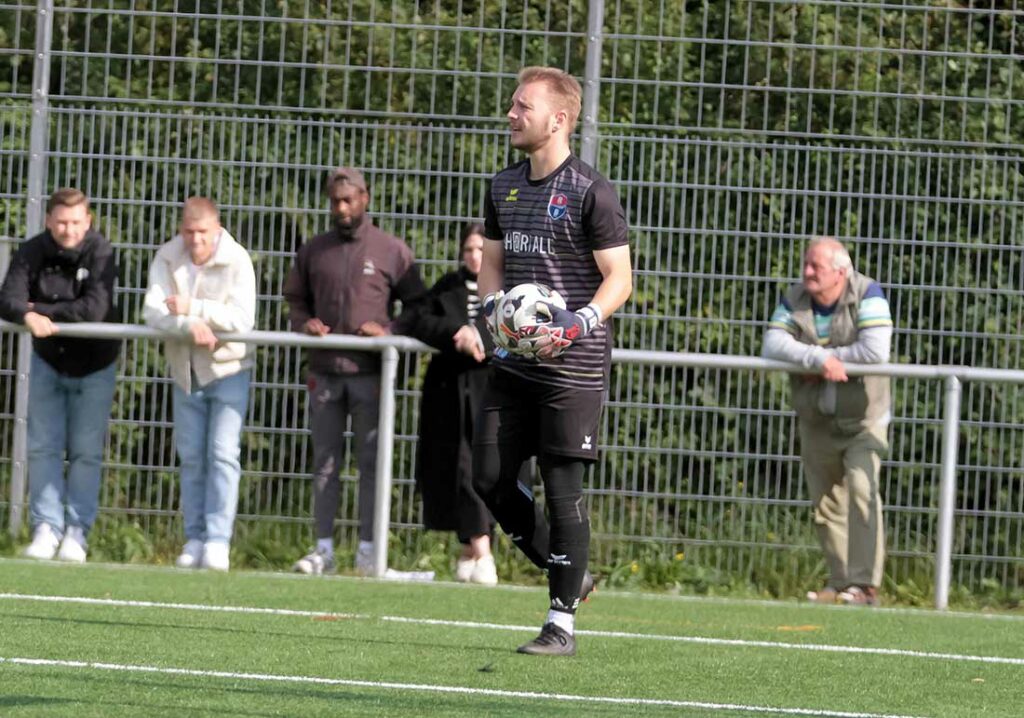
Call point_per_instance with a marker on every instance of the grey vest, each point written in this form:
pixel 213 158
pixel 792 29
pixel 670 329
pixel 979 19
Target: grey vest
pixel 863 400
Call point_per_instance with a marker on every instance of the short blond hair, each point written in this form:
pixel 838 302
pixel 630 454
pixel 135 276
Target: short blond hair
pixel 567 95
pixel 197 207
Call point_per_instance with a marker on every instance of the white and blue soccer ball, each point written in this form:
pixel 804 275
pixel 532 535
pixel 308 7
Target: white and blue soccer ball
pixel 517 321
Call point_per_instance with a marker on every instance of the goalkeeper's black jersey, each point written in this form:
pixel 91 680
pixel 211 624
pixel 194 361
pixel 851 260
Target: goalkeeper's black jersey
pixel 550 229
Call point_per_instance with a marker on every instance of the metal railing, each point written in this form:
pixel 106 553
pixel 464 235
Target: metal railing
pixel 389 347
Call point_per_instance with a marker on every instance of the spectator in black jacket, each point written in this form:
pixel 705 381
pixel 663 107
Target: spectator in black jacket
pixel 65 274
pixel 450 320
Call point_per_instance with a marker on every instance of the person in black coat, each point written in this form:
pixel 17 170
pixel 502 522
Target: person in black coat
pixel 449 319
pixel 65 274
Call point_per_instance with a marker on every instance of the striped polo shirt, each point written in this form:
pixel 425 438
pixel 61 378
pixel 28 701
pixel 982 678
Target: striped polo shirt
pixel 873 311
pixel 550 229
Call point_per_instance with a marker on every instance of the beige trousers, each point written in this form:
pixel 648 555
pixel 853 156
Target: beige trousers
pixel 842 474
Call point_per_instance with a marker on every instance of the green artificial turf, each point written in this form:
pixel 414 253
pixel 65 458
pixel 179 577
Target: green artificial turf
pixel 376 632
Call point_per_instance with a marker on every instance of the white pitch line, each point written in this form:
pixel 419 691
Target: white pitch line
pixel 702 640
pixel 178 606
pixel 611 594
pixel 820 647
pixel 460 690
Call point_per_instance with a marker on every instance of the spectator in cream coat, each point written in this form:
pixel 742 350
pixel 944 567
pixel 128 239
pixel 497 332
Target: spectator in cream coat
pixel 201 282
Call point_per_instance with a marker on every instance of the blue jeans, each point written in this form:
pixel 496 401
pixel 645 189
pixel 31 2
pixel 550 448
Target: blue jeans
pixel 208 434
pixel 66 414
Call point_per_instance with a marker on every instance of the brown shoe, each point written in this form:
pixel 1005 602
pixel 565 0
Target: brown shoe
pixel 859 596
pixel 825 595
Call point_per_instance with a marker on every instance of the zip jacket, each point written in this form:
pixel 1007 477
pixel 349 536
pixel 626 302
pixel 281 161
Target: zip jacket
pixel 345 283
pixel 66 285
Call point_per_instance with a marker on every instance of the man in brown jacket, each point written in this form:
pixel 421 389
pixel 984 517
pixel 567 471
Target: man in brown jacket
pixel 838 315
pixel 345 281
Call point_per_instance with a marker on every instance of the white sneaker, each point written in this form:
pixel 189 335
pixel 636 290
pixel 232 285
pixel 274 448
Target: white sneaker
pixel 464 569
pixel 44 543
pixel 315 563
pixel 364 558
pixel 191 554
pixel 72 548
pixel 216 556
pixel 485 572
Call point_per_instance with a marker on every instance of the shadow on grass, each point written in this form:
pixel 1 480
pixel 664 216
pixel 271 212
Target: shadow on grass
pixel 186 695
pixel 24 701
pixel 253 631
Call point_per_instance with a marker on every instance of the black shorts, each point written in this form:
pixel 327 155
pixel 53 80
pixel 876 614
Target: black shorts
pixel 539 418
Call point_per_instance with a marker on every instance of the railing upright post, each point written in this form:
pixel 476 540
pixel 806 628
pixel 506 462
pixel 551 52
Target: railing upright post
pixel 385 456
pixel 38 141
pixel 592 81
pixel 947 490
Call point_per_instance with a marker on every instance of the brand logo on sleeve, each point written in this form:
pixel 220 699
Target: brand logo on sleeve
pixel 558 205
pixel 513 195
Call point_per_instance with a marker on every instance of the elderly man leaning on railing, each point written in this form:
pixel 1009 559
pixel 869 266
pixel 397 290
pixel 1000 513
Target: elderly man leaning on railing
pixel 834 316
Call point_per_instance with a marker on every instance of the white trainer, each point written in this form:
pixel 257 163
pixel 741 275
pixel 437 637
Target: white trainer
pixel 464 569
pixel 485 572
pixel 364 558
pixel 316 563
pixel 44 543
pixel 72 548
pixel 191 554
pixel 217 556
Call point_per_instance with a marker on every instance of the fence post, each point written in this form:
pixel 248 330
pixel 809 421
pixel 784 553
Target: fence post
pixel 947 491
pixel 385 455
pixel 38 145
pixel 592 81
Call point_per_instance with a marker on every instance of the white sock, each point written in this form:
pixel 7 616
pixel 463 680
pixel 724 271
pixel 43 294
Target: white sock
pixel 565 621
pixel 325 546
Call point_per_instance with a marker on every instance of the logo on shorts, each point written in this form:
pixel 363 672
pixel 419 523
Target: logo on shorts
pixel 558 205
pixel 586 443
pixel 369 267
pixel 560 559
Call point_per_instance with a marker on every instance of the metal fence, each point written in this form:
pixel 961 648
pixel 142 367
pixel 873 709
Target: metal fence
pixel 732 131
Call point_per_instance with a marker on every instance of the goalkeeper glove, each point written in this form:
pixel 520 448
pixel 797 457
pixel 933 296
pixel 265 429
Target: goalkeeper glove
pixel 564 327
pixel 490 307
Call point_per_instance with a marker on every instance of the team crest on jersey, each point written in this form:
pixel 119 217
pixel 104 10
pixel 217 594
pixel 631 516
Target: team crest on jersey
pixel 558 205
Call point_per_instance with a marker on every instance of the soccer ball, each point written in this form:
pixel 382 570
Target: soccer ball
pixel 516 319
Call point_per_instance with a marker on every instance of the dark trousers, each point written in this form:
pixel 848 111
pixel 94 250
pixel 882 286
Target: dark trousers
pixel 332 399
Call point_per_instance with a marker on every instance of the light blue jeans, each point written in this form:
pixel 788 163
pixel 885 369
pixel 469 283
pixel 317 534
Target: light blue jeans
pixel 66 414
pixel 208 434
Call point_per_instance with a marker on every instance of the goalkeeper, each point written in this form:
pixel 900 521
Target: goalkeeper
pixel 550 219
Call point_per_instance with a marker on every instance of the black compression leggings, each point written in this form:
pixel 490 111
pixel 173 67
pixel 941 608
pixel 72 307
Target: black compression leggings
pixel 562 547
pixel 569 541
